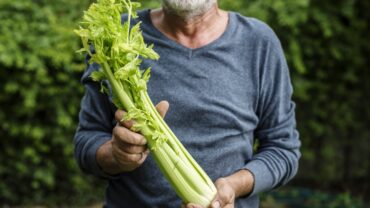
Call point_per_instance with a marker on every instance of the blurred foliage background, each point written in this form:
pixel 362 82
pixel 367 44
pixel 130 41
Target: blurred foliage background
pixel 327 47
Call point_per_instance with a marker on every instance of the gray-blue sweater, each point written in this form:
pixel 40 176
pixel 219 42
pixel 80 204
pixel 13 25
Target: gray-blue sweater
pixel 222 97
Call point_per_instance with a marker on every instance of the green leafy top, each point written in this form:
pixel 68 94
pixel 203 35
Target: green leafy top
pixel 113 42
pixel 119 49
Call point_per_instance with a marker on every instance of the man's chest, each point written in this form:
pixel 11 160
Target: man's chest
pixel 205 92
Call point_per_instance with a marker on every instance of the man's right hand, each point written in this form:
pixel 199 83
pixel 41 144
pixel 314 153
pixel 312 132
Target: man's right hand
pixel 126 150
pixel 128 147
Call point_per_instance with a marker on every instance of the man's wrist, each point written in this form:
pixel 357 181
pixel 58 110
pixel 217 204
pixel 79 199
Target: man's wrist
pixel 106 160
pixel 242 182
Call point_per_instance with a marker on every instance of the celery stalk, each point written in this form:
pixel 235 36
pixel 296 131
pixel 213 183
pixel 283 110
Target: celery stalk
pixel 119 49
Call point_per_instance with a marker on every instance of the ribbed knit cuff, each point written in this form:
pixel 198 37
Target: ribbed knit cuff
pixel 263 179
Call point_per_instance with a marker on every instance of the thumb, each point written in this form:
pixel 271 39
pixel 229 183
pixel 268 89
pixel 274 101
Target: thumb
pixel 162 107
pixel 191 205
pixel 216 203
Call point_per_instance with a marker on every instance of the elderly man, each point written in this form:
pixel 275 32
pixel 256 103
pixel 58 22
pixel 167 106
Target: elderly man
pixel 228 84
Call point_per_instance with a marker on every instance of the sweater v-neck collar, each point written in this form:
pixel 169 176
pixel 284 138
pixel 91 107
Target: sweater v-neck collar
pixel 148 22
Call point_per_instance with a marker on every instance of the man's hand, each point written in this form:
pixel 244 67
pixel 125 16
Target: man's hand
pixel 127 150
pixel 225 196
pixel 229 188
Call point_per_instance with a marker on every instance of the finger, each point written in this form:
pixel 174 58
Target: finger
pixel 144 155
pixel 191 205
pixel 132 149
pixel 224 194
pixel 125 135
pixel 128 158
pixel 119 114
pixel 217 203
pixel 162 107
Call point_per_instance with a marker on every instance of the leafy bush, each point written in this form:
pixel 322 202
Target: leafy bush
pixel 39 97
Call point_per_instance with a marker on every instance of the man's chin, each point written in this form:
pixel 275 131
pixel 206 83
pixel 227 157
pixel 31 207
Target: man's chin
pixel 187 9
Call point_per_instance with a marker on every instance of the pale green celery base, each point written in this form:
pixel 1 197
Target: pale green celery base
pixel 176 179
pixel 167 130
pixel 191 172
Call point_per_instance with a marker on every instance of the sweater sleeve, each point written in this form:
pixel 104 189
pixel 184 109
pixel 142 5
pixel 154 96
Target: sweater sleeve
pixel 95 125
pixel 276 159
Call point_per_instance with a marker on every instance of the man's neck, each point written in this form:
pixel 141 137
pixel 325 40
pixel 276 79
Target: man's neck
pixel 195 32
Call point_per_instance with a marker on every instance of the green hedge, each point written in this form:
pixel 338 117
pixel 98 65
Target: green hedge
pixel 39 97
pixel 326 44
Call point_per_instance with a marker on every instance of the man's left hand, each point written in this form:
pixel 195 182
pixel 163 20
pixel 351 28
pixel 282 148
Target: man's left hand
pixel 229 188
pixel 225 196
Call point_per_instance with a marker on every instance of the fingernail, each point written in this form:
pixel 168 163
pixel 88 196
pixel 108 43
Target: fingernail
pixel 191 206
pixel 216 204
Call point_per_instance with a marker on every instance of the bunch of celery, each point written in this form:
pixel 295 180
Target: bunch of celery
pixel 119 49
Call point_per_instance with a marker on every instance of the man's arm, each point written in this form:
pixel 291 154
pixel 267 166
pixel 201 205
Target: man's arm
pixel 95 125
pixel 276 160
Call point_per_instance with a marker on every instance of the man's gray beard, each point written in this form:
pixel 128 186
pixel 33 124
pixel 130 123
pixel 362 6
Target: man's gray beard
pixel 187 9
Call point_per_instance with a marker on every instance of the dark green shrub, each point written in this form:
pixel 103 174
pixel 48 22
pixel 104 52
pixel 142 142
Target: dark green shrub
pixel 39 97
